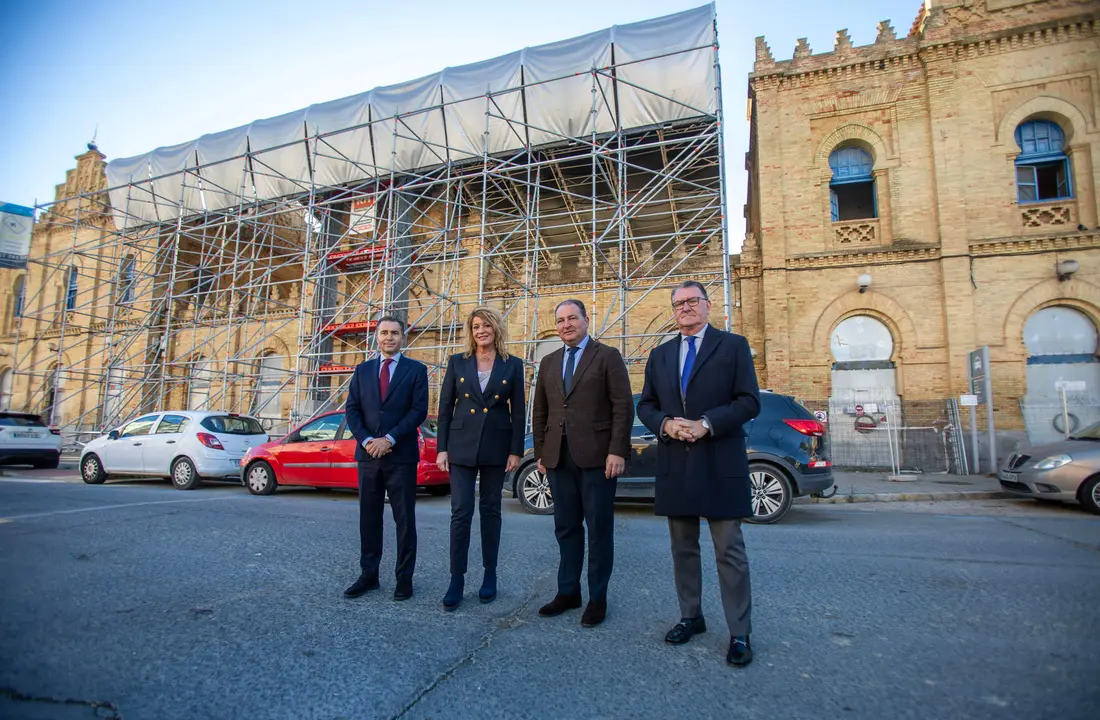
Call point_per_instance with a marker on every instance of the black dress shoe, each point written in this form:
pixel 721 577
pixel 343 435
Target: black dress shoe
pixel 740 652
pixel 684 630
pixel 403 591
pixel 361 586
pixel 560 604
pixel 594 614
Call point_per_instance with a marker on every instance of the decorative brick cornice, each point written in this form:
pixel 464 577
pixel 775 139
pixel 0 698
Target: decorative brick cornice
pixel 873 257
pixel 1028 246
pixel 889 55
pixel 748 270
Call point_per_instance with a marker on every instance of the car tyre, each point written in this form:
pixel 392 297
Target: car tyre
pixel 184 474
pixel 533 491
pixel 91 470
pixel 260 478
pixel 770 494
pixel 1089 494
pixel 438 490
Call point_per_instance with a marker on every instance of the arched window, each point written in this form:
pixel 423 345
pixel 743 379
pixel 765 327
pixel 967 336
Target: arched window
pixel 112 402
pixel 126 280
pixel 852 188
pixel 862 340
pixel 18 293
pixel 1060 335
pixel 1042 168
pixel 199 395
pixel 72 288
pixel 268 384
pixel 6 379
pixel 51 396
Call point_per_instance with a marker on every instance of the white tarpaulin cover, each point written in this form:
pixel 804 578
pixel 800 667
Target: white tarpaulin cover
pixel 663 71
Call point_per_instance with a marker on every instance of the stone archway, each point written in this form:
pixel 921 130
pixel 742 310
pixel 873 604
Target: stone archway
pixel 1053 327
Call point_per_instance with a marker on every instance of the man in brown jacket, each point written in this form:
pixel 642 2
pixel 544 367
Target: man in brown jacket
pixel 582 414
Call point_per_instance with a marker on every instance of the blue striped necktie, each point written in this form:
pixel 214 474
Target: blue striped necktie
pixel 688 362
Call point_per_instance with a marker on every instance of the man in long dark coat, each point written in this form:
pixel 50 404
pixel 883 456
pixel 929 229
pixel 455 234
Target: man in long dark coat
pixel 700 390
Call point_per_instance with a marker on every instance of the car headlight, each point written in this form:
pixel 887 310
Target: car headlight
pixel 1054 461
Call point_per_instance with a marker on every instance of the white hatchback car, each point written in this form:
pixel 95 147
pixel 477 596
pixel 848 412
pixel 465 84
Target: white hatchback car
pixel 185 446
pixel 25 439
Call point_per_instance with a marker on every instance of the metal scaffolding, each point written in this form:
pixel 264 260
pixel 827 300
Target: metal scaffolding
pixel 265 305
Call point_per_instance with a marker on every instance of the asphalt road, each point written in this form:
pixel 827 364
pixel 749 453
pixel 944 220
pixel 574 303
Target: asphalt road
pixel 135 600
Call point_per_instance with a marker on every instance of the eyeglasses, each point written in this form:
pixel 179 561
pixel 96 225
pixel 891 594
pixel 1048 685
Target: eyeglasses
pixel 687 302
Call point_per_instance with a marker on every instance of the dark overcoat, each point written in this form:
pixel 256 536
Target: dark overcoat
pixel 710 477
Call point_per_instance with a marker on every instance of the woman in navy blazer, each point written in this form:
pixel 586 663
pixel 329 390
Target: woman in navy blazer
pixel 481 425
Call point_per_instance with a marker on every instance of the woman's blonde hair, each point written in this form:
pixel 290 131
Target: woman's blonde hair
pixel 491 316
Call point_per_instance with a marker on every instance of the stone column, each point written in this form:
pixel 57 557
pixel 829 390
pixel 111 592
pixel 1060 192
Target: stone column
pixel 882 198
pixel 1080 161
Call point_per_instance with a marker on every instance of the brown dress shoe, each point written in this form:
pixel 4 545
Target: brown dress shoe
pixel 560 604
pixel 594 614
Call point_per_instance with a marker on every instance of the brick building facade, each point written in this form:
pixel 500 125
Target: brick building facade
pixel 917 198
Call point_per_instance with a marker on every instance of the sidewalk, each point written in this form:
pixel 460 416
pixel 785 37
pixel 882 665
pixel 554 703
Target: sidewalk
pixel 877 487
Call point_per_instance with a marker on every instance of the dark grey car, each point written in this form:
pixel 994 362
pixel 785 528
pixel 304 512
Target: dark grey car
pixel 1067 471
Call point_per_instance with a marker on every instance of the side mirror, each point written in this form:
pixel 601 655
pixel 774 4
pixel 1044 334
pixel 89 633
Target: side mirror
pixel 113 435
pixel 292 438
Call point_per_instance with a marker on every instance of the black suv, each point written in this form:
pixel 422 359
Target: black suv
pixel 788 458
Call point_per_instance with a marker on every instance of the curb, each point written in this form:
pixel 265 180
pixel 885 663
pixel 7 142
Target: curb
pixel 839 499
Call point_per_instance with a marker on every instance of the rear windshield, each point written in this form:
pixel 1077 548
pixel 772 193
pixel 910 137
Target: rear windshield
pixel 232 425
pixel 22 421
pixel 429 427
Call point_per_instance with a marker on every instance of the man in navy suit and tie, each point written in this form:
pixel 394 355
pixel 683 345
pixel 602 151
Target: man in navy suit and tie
pixel 387 401
pixel 700 390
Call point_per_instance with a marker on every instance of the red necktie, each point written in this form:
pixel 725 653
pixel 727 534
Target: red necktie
pixel 384 378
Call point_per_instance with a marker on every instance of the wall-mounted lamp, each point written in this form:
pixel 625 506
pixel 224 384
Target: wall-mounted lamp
pixel 864 281
pixel 1066 269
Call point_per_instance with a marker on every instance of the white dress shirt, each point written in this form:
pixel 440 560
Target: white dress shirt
pixel 684 347
pixel 576 357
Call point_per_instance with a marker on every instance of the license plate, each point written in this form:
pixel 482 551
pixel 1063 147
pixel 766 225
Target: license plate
pixel 1010 476
pixel 26 435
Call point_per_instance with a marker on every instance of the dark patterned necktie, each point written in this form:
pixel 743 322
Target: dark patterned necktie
pixel 384 378
pixel 570 364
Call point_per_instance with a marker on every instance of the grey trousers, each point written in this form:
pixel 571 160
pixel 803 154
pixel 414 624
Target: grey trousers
pixel 733 570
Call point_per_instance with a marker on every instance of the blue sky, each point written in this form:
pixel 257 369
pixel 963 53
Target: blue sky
pixel 151 73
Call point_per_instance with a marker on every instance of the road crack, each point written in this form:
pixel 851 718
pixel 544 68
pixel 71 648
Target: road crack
pixel 1075 543
pixel 500 625
pixel 102 708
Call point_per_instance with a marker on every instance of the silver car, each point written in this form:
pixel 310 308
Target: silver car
pixel 1067 471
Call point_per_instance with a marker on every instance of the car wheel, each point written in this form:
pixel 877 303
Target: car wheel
pixel 1089 494
pixel 533 490
pixel 91 470
pixel 438 490
pixel 770 494
pixel 260 479
pixel 184 475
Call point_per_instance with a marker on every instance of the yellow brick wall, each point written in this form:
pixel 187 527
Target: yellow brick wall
pixel 954 264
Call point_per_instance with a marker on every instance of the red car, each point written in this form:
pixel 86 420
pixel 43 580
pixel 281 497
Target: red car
pixel 321 453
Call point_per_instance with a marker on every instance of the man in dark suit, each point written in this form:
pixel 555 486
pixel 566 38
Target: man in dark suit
pixel 700 390
pixel 581 418
pixel 387 401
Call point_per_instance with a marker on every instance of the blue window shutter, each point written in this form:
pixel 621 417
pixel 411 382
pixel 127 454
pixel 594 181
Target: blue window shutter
pixel 1027 186
pixel 834 206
